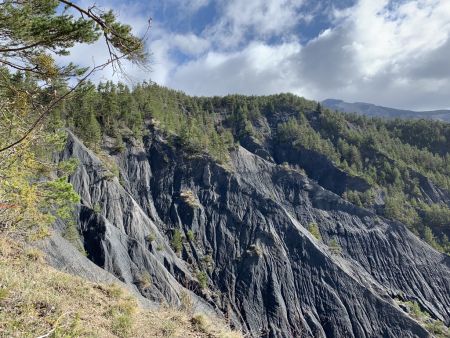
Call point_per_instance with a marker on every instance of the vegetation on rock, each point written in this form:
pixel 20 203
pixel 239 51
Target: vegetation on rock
pixel 394 157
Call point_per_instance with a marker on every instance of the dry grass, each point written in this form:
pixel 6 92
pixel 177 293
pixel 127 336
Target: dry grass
pixel 189 197
pixel 37 300
pixel 168 322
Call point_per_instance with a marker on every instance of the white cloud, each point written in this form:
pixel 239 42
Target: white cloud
pixel 190 43
pixel 390 53
pixel 394 53
pixel 388 56
pixel 162 47
pixel 257 69
pixel 189 6
pixel 383 38
pixel 162 64
pixel 257 18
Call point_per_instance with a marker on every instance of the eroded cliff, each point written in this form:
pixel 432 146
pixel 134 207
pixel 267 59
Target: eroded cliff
pixel 246 252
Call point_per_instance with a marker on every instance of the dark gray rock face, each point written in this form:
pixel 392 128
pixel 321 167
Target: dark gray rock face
pixel 319 168
pixel 245 229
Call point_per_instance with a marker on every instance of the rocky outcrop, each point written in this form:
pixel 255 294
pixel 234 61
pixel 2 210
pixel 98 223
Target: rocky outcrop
pixel 319 168
pixel 119 236
pixel 246 251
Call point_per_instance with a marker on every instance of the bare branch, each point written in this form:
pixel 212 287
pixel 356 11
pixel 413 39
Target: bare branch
pixel 18 49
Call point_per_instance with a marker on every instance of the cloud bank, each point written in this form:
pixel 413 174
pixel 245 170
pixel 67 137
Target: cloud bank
pixel 389 52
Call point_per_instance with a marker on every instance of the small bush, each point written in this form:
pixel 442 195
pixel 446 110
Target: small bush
pixel 334 247
pixel 190 235
pixel 97 208
pixel 34 254
pixel 313 228
pixel 68 167
pixel 189 197
pixel 73 236
pixel 111 168
pixel 122 315
pixel 122 325
pixel 202 278
pixel 71 232
pixel 200 323
pixel 150 237
pixel 119 145
pixel 415 310
pixel 177 241
pixel 207 259
pixel 437 328
pixel 144 280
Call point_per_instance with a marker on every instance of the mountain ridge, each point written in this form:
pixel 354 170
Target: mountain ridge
pixel 373 110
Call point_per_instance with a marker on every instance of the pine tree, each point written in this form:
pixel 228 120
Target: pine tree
pixel 31 33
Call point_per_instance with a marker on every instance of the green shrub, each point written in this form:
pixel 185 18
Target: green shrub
pixel 334 247
pixel 72 234
pixel 119 145
pixel 437 328
pixel 207 259
pixel 97 208
pixel 190 235
pixel 415 310
pixel 122 315
pixel 202 278
pixel 150 237
pixel 122 325
pixel 144 280
pixel 313 228
pixel 177 241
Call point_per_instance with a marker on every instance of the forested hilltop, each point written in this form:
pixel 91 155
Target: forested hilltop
pixel 395 161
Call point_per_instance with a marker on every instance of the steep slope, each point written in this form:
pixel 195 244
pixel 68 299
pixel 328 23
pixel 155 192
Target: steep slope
pixel 379 111
pixel 39 301
pixel 245 250
pixel 398 168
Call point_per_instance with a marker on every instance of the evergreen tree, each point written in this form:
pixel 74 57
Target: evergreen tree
pixel 31 33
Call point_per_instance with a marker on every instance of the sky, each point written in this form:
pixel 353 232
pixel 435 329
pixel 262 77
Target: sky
pixel 394 53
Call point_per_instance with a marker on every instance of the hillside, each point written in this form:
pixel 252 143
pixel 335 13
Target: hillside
pixel 39 301
pixel 398 169
pixel 385 112
pixel 286 218
pixel 280 217
pixel 140 211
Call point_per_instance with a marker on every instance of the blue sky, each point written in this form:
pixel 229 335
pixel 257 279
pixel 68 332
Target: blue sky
pixel 389 52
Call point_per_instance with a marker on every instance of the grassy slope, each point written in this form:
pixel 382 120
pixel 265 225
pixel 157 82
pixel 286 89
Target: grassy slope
pixel 39 301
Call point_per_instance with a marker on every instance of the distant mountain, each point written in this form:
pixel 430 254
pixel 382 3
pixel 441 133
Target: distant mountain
pixel 379 111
